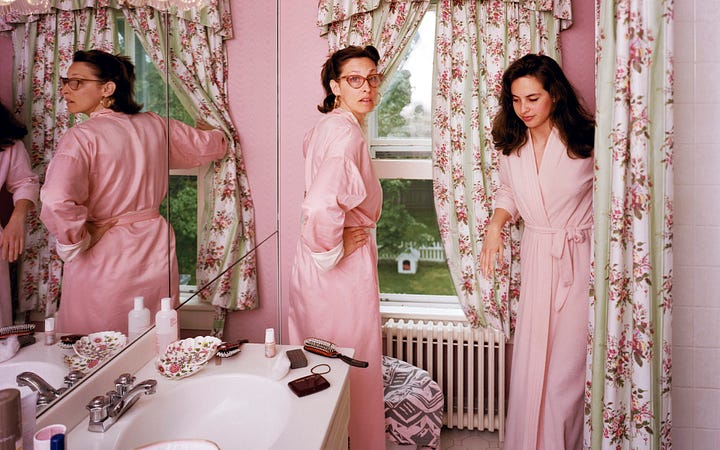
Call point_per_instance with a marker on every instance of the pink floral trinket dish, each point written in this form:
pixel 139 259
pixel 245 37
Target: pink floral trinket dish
pixel 187 356
pixel 94 348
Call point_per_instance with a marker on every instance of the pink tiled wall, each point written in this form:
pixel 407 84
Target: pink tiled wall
pixel 696 321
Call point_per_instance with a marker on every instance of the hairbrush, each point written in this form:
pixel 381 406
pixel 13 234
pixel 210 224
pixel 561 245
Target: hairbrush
pixel 227 349
pixel 68 340
pixel 17 330
pixel 327 348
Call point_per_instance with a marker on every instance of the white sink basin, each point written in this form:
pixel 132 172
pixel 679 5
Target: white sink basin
pixel 220 408
pixel 53 373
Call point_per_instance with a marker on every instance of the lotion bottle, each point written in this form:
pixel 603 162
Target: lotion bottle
pixel 166 326
pixel 138 319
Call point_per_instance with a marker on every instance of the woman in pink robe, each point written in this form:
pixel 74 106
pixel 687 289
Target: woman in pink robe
pixel 22 183
pixel 334 282
pixel 546 175
pixel 102 194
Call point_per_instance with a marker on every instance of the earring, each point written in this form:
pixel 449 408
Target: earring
pixel 107 102
pixel 337 102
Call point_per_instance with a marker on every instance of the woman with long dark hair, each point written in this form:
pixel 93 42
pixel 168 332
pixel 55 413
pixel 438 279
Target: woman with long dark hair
pixel 546 174
pixel 102 195
pixel 18 178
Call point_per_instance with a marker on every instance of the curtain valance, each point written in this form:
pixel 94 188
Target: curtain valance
pixel 215 16
pixel 331 11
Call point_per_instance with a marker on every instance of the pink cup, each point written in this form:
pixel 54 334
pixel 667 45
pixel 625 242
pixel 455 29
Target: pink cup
pixel 41 440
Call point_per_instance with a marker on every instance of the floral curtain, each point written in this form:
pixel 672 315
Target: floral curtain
pixel 387 25
pixel 197 71
pixel 43 47
pixel 629 363
pixel 476 40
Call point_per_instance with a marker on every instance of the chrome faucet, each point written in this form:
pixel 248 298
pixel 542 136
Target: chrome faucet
pixel 46 393
pixel 106 409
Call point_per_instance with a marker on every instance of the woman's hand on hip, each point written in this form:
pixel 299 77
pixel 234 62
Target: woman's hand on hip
pixel 96 232
pixel 353 239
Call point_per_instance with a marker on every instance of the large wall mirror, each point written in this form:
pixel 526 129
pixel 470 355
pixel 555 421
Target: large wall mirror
pixel 252 87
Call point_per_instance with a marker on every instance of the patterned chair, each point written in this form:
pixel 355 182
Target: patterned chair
pixel 413 405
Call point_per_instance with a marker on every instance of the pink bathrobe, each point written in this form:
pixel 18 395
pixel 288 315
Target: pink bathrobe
pixel 114 166
pixel 335 298
pixel 22 183
pixel 545 408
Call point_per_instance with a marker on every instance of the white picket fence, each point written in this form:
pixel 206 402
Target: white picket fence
pixel 433 252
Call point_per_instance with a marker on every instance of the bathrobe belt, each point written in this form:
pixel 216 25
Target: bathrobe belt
pixel 564 242
pixel 129 217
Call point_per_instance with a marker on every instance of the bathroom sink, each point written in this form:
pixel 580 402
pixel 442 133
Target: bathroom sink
pixel 222 408
pixel 51 372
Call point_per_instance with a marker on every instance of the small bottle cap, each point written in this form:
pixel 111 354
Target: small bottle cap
pixel 270 335
pixel 139 303
pixel 49 324
pixel 165 304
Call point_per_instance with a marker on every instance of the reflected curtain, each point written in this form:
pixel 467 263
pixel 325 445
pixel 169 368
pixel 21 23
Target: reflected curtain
pixel 476 40
pixel 195 52
pixel 388 25
pixel 629 364
pixel 43 47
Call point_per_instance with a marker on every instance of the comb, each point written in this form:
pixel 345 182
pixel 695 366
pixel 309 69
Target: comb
pixel 327 348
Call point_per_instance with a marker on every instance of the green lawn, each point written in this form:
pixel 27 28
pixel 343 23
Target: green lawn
pixel 431 278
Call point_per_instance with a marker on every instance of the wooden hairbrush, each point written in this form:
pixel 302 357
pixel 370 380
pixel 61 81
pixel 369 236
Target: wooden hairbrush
pixel 326 348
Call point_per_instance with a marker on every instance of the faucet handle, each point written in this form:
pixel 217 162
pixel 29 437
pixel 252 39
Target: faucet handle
pixel 124 383
pixel 73 377
pixel 98 408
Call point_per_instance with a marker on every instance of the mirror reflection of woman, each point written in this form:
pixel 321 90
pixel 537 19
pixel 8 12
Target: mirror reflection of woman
pixel 334 280
pixel 102 194
pixel 22 183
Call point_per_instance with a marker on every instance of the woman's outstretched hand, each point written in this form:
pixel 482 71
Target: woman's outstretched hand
pixel 353 239
pixel 491 252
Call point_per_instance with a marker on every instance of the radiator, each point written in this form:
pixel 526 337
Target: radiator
pixel 467 363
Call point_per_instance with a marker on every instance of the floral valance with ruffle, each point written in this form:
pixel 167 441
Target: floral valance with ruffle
pixel 330 11
pixel 215 16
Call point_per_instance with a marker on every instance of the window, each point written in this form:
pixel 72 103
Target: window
pixel 184 201
pixel 412 266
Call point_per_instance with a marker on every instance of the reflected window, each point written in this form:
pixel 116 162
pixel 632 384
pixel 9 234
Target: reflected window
pixel 412 266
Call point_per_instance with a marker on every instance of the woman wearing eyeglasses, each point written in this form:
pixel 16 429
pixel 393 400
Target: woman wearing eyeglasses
pixel 102 194
pixel 334 281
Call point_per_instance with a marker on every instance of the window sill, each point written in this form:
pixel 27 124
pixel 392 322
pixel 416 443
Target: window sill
pixel 422 311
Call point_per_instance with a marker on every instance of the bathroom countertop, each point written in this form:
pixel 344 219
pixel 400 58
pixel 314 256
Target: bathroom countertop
pixel 315 421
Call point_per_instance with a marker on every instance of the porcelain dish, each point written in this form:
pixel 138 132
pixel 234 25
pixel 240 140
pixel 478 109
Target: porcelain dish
pixel 187 356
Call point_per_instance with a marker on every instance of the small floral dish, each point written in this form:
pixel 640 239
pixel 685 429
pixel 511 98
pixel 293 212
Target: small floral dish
pixel 84 365
pixel 99 345
pixel 185 357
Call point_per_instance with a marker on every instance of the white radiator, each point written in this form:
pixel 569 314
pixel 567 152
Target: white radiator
pixel 467 363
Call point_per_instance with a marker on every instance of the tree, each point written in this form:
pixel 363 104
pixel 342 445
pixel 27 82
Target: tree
pixel 390 120
pixel 397 227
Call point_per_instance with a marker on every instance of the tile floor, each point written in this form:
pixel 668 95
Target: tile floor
pixel 468 439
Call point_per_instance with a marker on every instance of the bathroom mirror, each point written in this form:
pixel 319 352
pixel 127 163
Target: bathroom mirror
pixel 253 99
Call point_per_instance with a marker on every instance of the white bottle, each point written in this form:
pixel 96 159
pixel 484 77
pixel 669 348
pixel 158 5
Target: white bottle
pixel 270 347
pixel 138 319
pixel 166 326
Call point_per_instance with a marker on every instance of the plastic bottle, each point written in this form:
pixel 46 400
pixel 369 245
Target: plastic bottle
pixel 270 348
pixel 166 326
pixel 138 318
pixel 50 336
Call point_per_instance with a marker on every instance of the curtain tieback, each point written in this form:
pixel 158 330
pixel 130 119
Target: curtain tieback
pixel 562 249
pixel 129 217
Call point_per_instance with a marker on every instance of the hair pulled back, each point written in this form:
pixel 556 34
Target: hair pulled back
pixel 118 69
pixel 574 123
pixel 333 67
pixel 11 129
